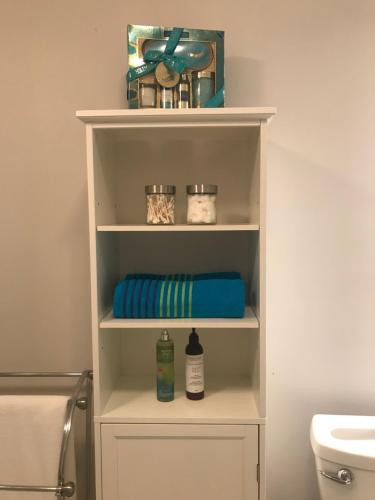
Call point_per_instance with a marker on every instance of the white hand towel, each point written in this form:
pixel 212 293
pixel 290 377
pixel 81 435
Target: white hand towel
pixel 31 431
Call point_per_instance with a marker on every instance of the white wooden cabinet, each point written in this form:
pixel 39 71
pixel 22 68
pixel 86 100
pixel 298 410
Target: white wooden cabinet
pixel 158 461
pixel 207 449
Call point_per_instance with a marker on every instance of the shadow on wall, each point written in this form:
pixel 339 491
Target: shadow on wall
pixel 237 71
pixel 320 297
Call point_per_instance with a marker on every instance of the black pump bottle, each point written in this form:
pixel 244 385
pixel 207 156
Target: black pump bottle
pixel 194 368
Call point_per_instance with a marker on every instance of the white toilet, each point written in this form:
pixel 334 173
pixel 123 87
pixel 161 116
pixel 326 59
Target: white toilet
pixel 344 448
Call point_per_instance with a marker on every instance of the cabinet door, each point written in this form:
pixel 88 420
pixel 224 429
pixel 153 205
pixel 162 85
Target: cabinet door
pixel 184 462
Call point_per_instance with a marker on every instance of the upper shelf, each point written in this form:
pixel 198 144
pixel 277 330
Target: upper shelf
pixel 177 117
pixel 248 321
pixel 176 228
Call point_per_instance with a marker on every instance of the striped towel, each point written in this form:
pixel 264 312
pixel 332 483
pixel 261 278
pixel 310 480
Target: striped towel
pixel 212 295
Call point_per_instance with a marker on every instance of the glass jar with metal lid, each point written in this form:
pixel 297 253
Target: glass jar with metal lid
pixel 203 87
pixel 160 202
pixel 201 203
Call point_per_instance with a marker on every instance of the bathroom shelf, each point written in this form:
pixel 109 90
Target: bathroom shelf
pixel 248 321
pixel 178 117
pixel 220 439
pixel 227 401
pixel 176 228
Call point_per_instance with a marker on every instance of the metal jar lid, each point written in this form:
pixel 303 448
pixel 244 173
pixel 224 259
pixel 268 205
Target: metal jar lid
pixel 160 189
pixel 203 74
pixel 201 189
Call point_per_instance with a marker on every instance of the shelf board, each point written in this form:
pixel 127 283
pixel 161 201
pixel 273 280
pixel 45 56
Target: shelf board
pixel 176 228
pixel 227 401
pixel 177 117
pixel 248 321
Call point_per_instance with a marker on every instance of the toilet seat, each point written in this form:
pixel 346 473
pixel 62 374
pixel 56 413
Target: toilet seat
pixel 345 439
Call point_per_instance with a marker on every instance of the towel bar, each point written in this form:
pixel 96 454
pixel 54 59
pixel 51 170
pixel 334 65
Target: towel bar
pixel 46 374
pixel 63 489
pixel 66 490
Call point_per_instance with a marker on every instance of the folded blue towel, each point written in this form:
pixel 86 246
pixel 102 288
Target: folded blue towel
pixel 211 295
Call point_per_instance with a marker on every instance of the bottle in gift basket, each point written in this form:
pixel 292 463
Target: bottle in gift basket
pixel 160 201
pixel 147 94
pixel 166 97
pixel 194 368
pixel 203 87
pixel 183 92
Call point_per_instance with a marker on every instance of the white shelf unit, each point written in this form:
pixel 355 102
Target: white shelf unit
pixel 127 149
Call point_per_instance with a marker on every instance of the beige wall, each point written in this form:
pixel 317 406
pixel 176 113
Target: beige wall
pixel 314 60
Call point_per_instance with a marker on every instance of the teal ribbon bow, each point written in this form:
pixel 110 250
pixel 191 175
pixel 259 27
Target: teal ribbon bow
pixel 216 101
pixel 153 57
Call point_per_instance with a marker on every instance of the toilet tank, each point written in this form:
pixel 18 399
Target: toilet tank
pixel 344 442
pixel 362 487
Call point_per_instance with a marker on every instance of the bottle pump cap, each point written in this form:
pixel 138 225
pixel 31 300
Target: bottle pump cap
pixel 193 337
pixel 164 335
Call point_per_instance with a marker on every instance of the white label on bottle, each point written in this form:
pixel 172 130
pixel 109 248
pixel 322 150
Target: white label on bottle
pixel 194 373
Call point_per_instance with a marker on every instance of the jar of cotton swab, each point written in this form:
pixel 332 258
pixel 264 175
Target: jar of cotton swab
pixel 160 203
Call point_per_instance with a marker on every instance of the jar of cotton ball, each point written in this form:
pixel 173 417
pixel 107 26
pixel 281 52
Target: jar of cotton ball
pixel 160 201
pixel 201 203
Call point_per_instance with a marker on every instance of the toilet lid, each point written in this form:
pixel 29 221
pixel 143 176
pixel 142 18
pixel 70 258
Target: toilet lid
pixel 345 439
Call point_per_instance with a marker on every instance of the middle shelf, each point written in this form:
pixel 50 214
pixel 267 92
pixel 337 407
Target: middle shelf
pixel 123 253
pixel 248 321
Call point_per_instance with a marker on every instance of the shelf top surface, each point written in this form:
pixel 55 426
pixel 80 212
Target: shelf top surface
pixel 229 400
pixel 209 116
pixel 248 321
pixel 177 228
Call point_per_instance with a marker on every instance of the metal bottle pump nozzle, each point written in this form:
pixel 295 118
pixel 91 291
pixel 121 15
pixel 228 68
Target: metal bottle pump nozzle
pixel 165 335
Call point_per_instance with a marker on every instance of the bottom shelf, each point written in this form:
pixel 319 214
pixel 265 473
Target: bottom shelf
pixel 227 401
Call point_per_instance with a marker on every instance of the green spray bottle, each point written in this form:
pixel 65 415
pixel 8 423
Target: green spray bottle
pixel 165 368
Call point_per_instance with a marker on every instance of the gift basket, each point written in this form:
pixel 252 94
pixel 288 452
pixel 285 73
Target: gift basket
pixel 175 67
